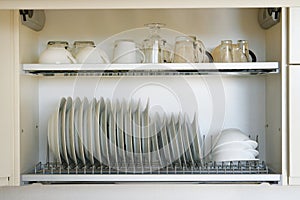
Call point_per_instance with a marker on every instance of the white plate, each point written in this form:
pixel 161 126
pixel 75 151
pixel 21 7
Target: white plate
pixel 58 129
pixel 173 140
pixel 81 127
pixel 156 158
pixel 120 133
pixel 145 136
pixel 85 103
pixel 234 155
pixel 164 150
pixel 51 135
pixel 97 150
pixel 67 121
pixel 128 136
pixel 104 134
pixel 73 132
pixel 239 145
pixel 196 145
pixel 179 137
pixel 185 134
pixel 165 145
pixel 137 135
pixel 112 133
pixel 90 131
pixel 63 143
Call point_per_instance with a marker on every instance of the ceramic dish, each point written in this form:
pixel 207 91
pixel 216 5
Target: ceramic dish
pixel 173 140
pixel 185 135
pixel 233 155
pixel 57 130
pixel 90 131
pixel 97 150
pixel 104 135
pixel 63 136
pixel 67 128
pixel 128 135
pixel 81 127
pixel 195 138
pixel 73 128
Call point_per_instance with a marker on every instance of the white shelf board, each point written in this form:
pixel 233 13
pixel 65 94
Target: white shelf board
pixel 152 67
pixel 152 178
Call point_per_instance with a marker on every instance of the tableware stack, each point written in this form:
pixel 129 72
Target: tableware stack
pixel 234 145
pixel 123 135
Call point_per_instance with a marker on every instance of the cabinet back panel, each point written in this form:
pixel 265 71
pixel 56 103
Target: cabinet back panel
pixel 220 102
pixel 209 25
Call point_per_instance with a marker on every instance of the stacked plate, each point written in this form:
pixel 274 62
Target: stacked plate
pixel 122 135
pixel 232 145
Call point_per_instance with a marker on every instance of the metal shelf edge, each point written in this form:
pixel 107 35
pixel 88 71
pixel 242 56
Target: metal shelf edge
pixel 152 178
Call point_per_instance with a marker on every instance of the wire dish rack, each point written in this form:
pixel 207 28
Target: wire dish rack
pixel 252 172
pixel 229 167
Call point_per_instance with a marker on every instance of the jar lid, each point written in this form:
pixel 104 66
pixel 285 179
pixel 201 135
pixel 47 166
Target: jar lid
pixel 84 44
pixel 184 38
pixel 58 43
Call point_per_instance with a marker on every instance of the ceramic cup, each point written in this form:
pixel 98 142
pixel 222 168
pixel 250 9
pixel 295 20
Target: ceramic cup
pixel 87 52
pixel 56 53
pixel 126 51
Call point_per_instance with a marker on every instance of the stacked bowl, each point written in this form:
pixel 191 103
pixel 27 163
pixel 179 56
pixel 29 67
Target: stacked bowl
pixel 234 145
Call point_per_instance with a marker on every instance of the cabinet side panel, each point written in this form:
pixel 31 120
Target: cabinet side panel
pixel 7 95
pixel 28 102
pixel 273 102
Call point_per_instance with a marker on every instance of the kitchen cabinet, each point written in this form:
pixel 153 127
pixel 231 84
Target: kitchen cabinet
pixel 31 99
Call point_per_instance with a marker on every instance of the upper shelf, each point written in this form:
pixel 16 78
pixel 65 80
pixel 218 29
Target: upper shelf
pixel 146 69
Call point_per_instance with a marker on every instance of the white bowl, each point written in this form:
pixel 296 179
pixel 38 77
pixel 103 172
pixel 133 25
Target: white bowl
pixel 230 135
pixel 234 155
pixel 239 145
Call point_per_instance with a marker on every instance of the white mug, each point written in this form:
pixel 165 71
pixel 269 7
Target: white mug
pixel 126 51
pixel 56 53
pixel 91 55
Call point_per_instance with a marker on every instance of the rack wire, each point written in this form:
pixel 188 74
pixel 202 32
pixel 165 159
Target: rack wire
pixel 228 167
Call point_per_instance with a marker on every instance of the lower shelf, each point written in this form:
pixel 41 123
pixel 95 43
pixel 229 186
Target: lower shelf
pixel 114 178
pixel 207 172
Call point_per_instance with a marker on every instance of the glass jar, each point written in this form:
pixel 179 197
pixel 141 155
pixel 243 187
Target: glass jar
pixel 244 47
pixel 185 50
pixel 155 48
pixel 226 51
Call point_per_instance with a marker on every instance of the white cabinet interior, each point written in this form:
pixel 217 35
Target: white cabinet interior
pixel 247 97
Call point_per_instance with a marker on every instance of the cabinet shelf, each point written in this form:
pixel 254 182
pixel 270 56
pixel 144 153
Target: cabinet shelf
pixel 148 69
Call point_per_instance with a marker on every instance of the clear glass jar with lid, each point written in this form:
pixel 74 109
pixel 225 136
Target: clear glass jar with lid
pixel 155 48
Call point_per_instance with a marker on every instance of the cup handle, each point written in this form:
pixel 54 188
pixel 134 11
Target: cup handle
pixel 142 55
pixel 253 56
pixel 210 57
pixel 103 55
pixel 70 57
pixel 200 50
